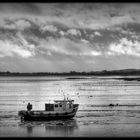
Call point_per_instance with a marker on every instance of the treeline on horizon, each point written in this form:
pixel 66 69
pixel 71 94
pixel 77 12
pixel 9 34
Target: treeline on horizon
pixel 123 72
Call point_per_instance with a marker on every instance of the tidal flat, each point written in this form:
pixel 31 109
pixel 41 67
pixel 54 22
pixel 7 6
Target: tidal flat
pixel 108 106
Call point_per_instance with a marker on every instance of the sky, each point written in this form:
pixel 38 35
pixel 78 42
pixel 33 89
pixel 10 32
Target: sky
pixel 63 37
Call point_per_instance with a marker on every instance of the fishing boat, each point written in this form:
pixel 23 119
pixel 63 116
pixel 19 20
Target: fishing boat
pixel 60 109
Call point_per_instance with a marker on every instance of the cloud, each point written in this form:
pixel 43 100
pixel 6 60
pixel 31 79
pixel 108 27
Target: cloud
pixel 15 24
pixel 50 28
pixel 85 41
pixel 91 16
pixel 20 39
pixel 22 24
pixel 91 36
pixel 21 8
pixel 66 46
pixel 74 32
pixel 133 34
pixel 62 33
pixel 7 48
pixel 97 33
pixel 125 47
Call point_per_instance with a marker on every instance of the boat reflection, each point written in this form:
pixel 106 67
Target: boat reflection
pixel 52 128
pixel 62 128
pixel 29 129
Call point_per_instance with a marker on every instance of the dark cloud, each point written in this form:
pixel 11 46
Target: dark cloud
pixel 7 34
pixel 20 8
pixel 133 27
pixel 58 13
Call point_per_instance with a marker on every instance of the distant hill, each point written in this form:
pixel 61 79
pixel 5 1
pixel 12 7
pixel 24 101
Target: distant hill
pixel 122 72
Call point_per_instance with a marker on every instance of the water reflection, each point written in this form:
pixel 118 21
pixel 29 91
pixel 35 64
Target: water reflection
pixel 63 128
pixel 27 126
pixel 52 128
pixel 29 129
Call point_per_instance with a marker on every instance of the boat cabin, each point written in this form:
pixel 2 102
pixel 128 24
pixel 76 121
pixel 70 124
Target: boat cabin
pixel 60 105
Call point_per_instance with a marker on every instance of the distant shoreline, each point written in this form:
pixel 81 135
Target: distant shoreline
pixel 124 72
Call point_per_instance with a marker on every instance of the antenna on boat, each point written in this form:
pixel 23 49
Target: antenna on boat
pixel 63 95
pixel 68 96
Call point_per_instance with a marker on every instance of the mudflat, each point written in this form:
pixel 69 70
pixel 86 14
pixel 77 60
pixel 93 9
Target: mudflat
pixel 108 106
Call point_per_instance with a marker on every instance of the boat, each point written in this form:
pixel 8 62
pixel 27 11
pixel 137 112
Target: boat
pixel 60 109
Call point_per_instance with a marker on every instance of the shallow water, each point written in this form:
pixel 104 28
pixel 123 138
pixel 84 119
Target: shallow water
pixel 94 117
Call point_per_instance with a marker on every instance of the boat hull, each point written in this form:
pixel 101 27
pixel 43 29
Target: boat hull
pixel 44 118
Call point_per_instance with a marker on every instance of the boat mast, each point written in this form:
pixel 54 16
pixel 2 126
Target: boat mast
pixel 64 95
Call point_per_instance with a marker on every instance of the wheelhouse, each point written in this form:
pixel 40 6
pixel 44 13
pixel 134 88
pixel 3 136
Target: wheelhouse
pixel 60 105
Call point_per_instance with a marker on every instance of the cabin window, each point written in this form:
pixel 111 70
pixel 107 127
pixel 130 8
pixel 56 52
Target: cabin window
pixel 56 105
pixel 60 105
